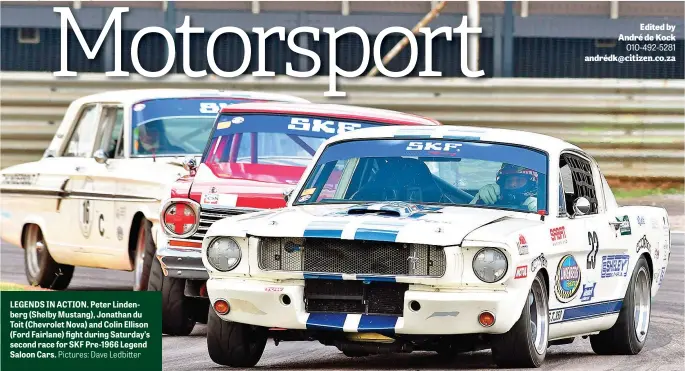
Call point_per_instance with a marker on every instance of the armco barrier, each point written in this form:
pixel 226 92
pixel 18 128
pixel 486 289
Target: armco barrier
pixel 634 128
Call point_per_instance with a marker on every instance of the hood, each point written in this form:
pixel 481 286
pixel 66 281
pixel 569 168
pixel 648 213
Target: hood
pixel 244 185
pixel 393 222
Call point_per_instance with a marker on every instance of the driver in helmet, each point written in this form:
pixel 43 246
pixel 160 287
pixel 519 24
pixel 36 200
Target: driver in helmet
pixel 152 140
pixel 514 186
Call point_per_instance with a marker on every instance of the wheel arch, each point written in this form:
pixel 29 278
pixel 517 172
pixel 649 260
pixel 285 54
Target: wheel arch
pixel 24 229
pixel 133 235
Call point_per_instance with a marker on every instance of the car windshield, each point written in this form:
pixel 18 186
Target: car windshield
pixel 175 126
pixel 272 139
pixel 446 172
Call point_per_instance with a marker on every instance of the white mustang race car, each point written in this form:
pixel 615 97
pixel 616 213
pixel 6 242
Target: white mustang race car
pixel 93 199
pixel 444 239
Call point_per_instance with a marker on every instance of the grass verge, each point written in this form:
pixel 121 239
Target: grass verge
pixel 633 193
pixel 8 286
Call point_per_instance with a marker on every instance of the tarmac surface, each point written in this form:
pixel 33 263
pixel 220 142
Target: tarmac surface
pixel 665 349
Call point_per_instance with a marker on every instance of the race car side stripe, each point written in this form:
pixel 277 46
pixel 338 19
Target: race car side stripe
pixel 326 321
pixel 352 322
pixel 375 235
pixel 374 323
pixel 592 310
pixel 369 278
pixel 322 233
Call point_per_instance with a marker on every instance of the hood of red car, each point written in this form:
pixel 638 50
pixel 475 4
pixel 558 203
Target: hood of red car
pixel 243 185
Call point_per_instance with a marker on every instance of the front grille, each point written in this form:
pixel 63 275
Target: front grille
pixel 323 255
pixel 354 297
pixel 208 217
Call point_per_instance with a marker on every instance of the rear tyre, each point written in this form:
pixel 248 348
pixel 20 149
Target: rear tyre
pixel 629 333
pixel 234 344
pixel 177 311
pixel 144 254
pixel 525 344
pixel 41 269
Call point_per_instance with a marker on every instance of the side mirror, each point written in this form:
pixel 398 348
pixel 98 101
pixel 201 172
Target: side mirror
pixel 190 164
pixel 581 206
pixel 287 193
pixel 100 156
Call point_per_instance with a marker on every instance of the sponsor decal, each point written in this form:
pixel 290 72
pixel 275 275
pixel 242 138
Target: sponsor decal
pixel 558 235
pixel 624 228
pixel 120 233
pixel 521 272
pixel 443 314
pixel 238 120
pixel 640 220
pixel 656 253
pixel 19 179
pixel 120 212
pixel 223 125
pixel 593 241
pixel 434 146
pixel 567 279
pixel 322 126
pixel 212 107
pixel 210 199
pixel 655 223
pixel 588 291
pixel 661 275
pixel 615 266
pixel 643 244
pixel 308 191
pixel 273 289
pixel 556 315
pixel 304 198
pixel 522 245
pixel 539 262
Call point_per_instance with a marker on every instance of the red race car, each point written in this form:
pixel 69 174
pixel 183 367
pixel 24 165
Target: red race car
pixel 255 154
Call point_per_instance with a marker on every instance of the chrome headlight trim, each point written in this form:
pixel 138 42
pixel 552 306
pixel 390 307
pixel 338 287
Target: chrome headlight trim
pixel 496 250
pixel 174 201
pixel 212 260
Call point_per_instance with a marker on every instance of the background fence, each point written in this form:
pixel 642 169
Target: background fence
pixel 634 128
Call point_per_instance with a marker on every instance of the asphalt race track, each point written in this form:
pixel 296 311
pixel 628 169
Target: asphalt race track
pixel 665 349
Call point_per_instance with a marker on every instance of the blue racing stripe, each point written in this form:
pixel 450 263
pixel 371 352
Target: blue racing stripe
pixel 592 310
pixel 369 278
pixel 326 321
pixel 374 323
pixel 322 233
pixel 323 276
pixel 417 215
pixel 375 235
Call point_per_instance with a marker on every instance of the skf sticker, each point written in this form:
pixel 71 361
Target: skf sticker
pixel 556 315
pixel 521 272
pixel 615 266
pixel 322 126
pixel 567 280
pixel 433 146
pixel 522 245
pixel 588 292
pixel 640 220
pixel 625 225
pixel 558 235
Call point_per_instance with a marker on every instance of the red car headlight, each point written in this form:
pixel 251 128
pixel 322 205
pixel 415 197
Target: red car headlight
pixel 180 218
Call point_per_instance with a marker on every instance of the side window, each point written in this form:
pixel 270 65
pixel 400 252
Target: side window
pixel 83 137
pixel 111 126
pixel 577 181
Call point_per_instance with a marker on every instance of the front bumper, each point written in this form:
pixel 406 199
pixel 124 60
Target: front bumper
pixel 181 262
pixel 262 303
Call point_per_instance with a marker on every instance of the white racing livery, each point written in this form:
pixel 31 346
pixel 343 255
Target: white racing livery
pixel 444 239
pixel 93 199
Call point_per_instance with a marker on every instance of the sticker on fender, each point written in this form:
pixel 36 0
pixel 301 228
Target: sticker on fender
pixel 216 199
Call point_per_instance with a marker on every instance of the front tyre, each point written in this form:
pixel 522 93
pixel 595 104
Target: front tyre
pixel 177 311
pixel 144 253
pixel 629 333
pixel 525 344
pixel 41 269
pixel 234 344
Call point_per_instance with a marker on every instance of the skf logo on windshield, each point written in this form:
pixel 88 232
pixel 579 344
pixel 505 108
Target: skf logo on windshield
pixel 433 146
pixel 212 107
pixel 322 126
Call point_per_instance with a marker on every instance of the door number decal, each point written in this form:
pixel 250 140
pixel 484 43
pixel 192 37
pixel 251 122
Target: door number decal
pixel 593 241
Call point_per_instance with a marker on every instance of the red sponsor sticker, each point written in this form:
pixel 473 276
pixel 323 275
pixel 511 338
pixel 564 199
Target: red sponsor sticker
pixel 558 235
pixel 521 272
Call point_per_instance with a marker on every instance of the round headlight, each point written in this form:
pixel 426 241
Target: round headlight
pixel 179 219
pixel 223 254
pixel 490 265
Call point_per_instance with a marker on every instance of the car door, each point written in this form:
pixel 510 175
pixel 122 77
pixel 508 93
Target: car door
pixel 70 229
pixel 595 245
